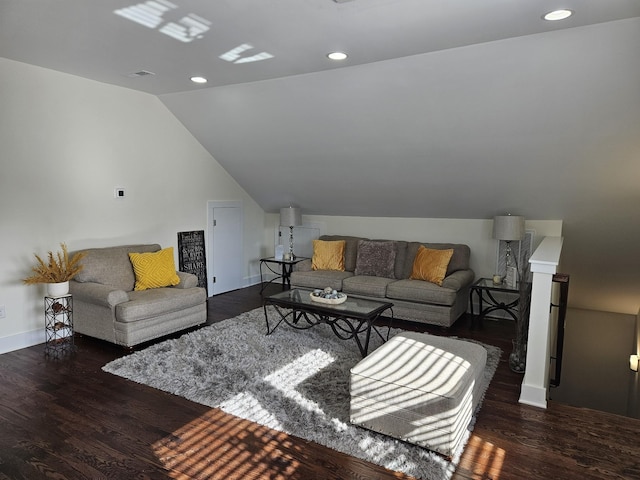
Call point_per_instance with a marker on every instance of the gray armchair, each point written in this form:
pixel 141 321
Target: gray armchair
pixel 106 306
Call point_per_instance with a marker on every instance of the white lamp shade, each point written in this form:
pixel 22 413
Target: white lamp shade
pixel 508 227
pixel 290 217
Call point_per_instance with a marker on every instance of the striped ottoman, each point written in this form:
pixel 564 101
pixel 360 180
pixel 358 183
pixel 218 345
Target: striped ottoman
pixel 419 388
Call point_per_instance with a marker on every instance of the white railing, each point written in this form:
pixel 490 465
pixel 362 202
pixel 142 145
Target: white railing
pixel 544 263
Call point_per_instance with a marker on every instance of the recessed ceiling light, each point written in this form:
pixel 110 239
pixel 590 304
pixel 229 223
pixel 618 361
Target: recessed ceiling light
pixel 337 55
pixel 198 80
pixel 558 15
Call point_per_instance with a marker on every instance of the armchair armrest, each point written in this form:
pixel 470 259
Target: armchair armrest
pixel 187 280
pixel 98 294
pixel 459 279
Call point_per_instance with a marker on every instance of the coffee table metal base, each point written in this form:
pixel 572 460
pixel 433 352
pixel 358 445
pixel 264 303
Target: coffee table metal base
pixel 344 327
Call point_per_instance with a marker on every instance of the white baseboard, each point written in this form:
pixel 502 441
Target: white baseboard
pixel 21 340
pixel 253 280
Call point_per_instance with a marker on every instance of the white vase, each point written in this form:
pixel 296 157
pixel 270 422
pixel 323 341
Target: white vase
pixel 57 289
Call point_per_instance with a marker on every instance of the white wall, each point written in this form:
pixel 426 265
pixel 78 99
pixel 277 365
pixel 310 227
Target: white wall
pixel 65 144
pixel 475 233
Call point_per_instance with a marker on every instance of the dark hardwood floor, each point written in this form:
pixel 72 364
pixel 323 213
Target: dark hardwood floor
pixel 67 419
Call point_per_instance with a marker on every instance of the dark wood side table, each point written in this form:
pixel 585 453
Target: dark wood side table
pixel 485 289
pixel 282 269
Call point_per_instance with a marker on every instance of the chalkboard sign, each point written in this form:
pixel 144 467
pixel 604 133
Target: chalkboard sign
pixel 191 255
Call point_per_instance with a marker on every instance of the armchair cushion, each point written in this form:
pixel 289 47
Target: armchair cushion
pixel 154 269
pixel 187 280
pixel 158 301
pixel 111 265
pixel 98 294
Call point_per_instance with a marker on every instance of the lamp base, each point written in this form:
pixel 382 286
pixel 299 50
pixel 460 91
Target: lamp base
pixel 291 254
pixel 511 278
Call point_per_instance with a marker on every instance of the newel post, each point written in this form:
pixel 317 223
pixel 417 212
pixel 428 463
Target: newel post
pixel 544 263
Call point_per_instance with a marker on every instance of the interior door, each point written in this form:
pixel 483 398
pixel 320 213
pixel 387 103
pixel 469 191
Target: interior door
pixel 225 247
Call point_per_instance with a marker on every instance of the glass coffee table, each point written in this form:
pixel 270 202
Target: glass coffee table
pixel 347 320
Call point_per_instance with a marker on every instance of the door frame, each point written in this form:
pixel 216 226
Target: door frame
pixel 211 205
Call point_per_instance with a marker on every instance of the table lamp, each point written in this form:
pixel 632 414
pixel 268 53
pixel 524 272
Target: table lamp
pixel 509 228
pixel 290 217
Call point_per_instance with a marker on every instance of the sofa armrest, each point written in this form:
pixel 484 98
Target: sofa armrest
pixel 98 294
pixel 459 280
pixel 187 280
pixel 303 266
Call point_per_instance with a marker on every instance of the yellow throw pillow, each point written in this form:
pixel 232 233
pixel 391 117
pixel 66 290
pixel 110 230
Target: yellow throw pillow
pixel 328 255
pixel 431 265
pixel 154 269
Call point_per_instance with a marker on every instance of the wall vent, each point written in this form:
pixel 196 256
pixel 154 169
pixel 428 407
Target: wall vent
pixel 141 73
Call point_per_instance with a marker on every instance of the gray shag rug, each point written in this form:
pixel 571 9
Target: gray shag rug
pixel 294 381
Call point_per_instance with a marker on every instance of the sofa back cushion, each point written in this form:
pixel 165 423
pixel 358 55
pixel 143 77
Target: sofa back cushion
pixel 459 259
pixel 328 255
pixel 350 249
pixel 431 264
pixel 376 258
pixel 111 265
pixel 401 257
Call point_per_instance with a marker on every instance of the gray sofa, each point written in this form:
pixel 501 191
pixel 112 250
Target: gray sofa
pixel 106 306
pixel 414 300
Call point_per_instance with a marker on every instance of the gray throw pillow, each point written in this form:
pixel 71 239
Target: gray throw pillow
pixel 376 259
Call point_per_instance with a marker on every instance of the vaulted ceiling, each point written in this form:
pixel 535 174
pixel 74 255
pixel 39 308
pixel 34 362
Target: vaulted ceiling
pixel 461 109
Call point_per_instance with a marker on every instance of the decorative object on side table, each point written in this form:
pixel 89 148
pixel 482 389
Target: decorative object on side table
pixel 56 271
pixel 290 217
pixel 328 296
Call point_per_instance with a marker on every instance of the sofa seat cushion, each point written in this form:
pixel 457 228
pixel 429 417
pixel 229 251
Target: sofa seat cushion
pixel 420 291
pixel 150 303
pixel 319 279
pixel 366 285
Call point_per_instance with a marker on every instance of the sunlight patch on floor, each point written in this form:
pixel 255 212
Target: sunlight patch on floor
pixel 218 446
pixel 482 458
pixel 290 376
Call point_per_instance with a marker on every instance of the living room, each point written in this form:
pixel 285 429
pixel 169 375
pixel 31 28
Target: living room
pixel 68 142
